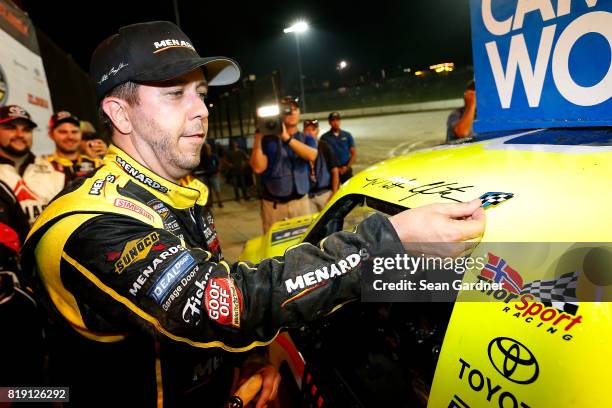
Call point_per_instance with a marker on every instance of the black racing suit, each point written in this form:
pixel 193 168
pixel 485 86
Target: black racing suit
pixel 132 262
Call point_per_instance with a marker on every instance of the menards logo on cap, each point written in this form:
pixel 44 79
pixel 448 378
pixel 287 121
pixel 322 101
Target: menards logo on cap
pixel 166 44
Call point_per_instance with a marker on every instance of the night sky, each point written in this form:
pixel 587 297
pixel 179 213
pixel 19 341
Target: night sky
pixel 370 35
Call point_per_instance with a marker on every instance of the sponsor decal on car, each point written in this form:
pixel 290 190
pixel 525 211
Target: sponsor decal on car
pixel 551 305
pixel 510 358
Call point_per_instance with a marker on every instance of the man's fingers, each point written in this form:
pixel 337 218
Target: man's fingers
pixel 460 210
pixel 277 379
pixel 268 388
pixel 470 228
pixel 478 214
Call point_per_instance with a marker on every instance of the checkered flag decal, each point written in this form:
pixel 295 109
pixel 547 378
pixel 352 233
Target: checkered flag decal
pixel 494 198
pixel 559 293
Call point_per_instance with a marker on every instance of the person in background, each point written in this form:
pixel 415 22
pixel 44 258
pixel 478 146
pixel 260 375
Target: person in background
pixel 91 144
pixel 460 121
pixel 237 162
pixel 14 228
pixel 33 180
pixel 324 176
pixel 343 144
pixel 209 172
pixel 65 131
pixel 284 164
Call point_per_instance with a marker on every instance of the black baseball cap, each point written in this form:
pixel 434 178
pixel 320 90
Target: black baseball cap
pixel 63 117
pixel 10 113
pixel 333 115
pixel 151 52
pixel 290 100
pixel 311 122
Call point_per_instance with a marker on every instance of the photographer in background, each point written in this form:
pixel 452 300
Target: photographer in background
pixel 91 144
pixel 283 160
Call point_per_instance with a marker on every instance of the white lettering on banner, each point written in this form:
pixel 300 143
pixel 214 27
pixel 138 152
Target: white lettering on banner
pixel 563 6
pixel 527 6
pixel 533 73
pixel 494 26
pixel 323 273
pixel 518 57
pixel 596 22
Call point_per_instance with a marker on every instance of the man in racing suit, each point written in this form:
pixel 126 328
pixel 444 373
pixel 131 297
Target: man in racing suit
pixel 65 131
pixel 33 179
pixel 129 256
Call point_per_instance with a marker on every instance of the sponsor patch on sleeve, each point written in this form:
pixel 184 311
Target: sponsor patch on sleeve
pixel 223 301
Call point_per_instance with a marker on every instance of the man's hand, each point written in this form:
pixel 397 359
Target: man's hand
pixel 95 148
pixel 285 135
pixel 257 137
pixel 269 388
pixel 469 97
pixel 270 382
pixel 342 169
pixel 441 225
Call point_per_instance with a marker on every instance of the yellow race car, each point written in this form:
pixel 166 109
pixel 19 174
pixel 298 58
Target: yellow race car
pixel 529 324
pixel 507 348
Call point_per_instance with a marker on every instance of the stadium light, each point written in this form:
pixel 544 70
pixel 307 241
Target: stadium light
pixel 297 28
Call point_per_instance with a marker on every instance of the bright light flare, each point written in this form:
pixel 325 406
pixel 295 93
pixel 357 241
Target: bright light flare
pixel 298 27
pixel 268 111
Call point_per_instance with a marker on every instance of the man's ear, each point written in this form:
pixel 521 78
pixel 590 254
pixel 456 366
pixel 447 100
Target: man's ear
pixel 117 110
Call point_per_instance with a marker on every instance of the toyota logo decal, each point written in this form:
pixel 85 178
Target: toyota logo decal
pixel 513 360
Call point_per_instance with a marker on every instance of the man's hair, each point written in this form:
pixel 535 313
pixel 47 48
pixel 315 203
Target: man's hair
pixel 127 91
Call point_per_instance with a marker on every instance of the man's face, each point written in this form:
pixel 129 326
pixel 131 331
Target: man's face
pixel 67 137
pixel 293 118
pixel 335 124
pixel 312 131
pixel 172 119
pixel 15 138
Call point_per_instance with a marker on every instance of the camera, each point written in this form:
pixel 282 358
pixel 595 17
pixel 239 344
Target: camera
pixel 269 117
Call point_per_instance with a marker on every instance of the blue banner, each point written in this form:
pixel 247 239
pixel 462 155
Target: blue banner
pixel 542 63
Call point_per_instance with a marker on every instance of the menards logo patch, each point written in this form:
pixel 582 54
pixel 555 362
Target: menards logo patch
pixel 136 250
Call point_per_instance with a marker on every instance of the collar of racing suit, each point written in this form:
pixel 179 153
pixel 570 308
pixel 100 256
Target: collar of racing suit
pixel 185 195
pixel 54 158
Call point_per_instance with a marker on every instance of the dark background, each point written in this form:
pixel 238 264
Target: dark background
pixel 372 36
